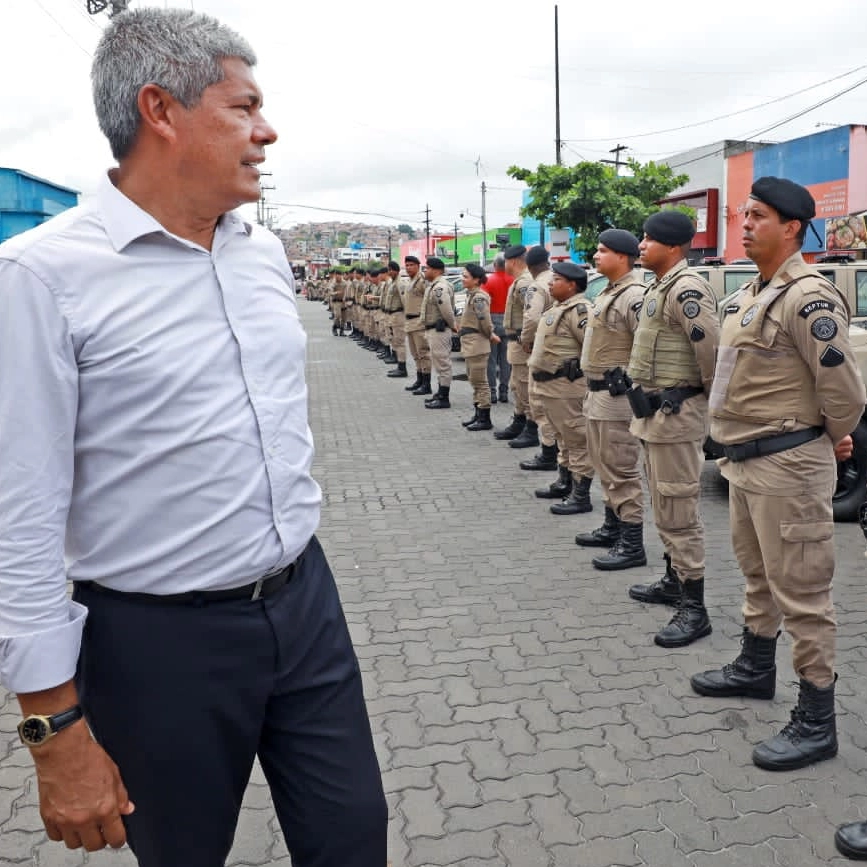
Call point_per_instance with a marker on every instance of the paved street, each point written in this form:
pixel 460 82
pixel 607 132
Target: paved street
pixel 522 714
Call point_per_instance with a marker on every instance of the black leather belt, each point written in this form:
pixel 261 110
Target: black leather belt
pixel 468 330
pixel 669 397
pixel 544 376
pixel 771 445
pixel 515 336
pixel 266 586
pixel 412 315
pixel 597 385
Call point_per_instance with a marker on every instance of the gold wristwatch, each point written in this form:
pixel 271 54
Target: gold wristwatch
pixel 35 729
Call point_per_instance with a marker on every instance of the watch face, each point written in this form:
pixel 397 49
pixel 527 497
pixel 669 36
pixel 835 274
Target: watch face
pixel 34 731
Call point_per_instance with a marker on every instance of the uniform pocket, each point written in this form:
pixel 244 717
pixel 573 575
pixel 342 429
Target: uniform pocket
pixel 808 551
pixel 680 501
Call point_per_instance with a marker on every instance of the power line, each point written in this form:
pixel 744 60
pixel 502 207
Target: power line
pixel 724 116
pixel 402 219
pixel 39 4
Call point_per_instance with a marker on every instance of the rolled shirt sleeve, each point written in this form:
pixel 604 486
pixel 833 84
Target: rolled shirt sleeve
pixel 40 627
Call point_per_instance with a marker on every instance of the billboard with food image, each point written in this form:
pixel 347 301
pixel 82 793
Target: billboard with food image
pixel 846 233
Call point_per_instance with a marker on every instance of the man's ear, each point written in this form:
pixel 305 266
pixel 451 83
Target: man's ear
pixel 158 110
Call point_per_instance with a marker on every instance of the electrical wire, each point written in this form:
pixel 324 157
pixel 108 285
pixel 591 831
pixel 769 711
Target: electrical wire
pixel 722 116
pixel 39 4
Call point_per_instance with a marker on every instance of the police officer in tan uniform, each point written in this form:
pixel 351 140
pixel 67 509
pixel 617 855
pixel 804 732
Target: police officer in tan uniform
pixel 555 366
pixel 537 300
pixel 438 314
pixel 396 321
pixel 412 300
pixel 477 334
pixel 513 322
pixel 671 369
pixel 787 389
pixel 337 304
pixel 614 451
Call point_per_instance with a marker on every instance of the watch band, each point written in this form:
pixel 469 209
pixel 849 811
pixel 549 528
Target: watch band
pixel 65 718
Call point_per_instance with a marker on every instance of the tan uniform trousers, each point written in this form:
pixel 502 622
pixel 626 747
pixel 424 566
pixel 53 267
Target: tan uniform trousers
pixel 519 381
pixel 339 312
pixel 547 434
pixel 397 326
pixel 673 474
pixel 563 401
pixel 419 350
pixel 785 548
pixel 616 456
pixel 477 374
pixel 440 343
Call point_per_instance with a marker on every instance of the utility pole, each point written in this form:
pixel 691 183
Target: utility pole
pixel 261 204
pixel 389 243
pixel 456 242
pixel 558 144
pixel 484 230
pixel 616 162
pixel 427 230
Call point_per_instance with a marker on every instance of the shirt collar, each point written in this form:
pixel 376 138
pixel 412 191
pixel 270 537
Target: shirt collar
pixel 125 221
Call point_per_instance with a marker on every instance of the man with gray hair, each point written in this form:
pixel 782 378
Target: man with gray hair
pixel 156 451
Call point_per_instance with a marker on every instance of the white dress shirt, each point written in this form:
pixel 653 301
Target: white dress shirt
pixel 153 420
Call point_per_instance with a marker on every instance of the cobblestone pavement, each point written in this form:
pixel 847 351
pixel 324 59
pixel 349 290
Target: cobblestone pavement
pixel 522 714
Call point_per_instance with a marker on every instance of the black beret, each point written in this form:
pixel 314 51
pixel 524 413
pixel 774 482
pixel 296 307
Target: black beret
pixel 573 272
pixel 434 262
pixel 537 255
pixel 408 259
pixel 393 266
pixel 786 197
pixel 476 271
pixel 515 251
pixel 620 241
pixel 669 227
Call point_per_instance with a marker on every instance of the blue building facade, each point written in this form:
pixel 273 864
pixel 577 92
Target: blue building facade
pixel 26 201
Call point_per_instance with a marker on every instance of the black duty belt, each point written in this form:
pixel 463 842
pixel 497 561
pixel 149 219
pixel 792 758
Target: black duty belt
pixel 771 445
pixel 597 385
pixel 668 398
pixel 412 315
pixel 468 330
pixel 396 310
pixel 544 376
pixel 266 586
pixel 515 336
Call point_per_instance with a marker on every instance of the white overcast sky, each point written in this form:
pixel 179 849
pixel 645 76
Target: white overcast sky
pixel 385 106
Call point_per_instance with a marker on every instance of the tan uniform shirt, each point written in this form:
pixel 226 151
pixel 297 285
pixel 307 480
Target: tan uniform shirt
pixel 685 302
pixel 516 298
pixel 559 338
pixel 439 303
pixel 413 297
pixel 537 300
pixel 476 316
pixel 613 318
pixel 785 363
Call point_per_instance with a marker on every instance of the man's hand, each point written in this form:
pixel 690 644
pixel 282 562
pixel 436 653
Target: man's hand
pixel 843 450
pixel 495 338
pixel 81 794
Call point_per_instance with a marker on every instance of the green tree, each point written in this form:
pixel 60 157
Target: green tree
pixel 407 230
pixel 590 197
pixel 342 238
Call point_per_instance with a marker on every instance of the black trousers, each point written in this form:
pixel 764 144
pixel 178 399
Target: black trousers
pixel 183 697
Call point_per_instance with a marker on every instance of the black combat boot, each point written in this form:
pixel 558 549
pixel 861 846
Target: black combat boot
pixel 666 591
pixel 414 385
pixel 483 422
pixel 391 358
pixel 514 427
pixel 809 736
pixel 851 840
pixel 578 500
pixel 493 395
pixel 627 552
pixel 690 621
pixel 545 460
pixel 436 396
pixel 399 372
pixel 753 674
pixel 528 437
pixel 334 330
pixel 424 388
pixel 441 401
pixel 557 490
pixel 504 395
pixel 604 536
pixel 469 421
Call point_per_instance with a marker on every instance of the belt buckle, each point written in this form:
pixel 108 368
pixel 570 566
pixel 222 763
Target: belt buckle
pixel 666 407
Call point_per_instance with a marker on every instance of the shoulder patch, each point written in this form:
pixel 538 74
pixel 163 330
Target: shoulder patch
pixel 831 357
pixel 651 307
pixel 696 334
pixel 750 315
pixel 438 292
pixel 815 306
pixel 691 309
pixel 479 305
pixel 689 293
pixel 824 328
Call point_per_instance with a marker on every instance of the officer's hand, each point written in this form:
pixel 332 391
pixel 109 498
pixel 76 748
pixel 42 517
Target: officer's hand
pixel 843 450
pixel 81 794
pixel 495 339
pixel 527 347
